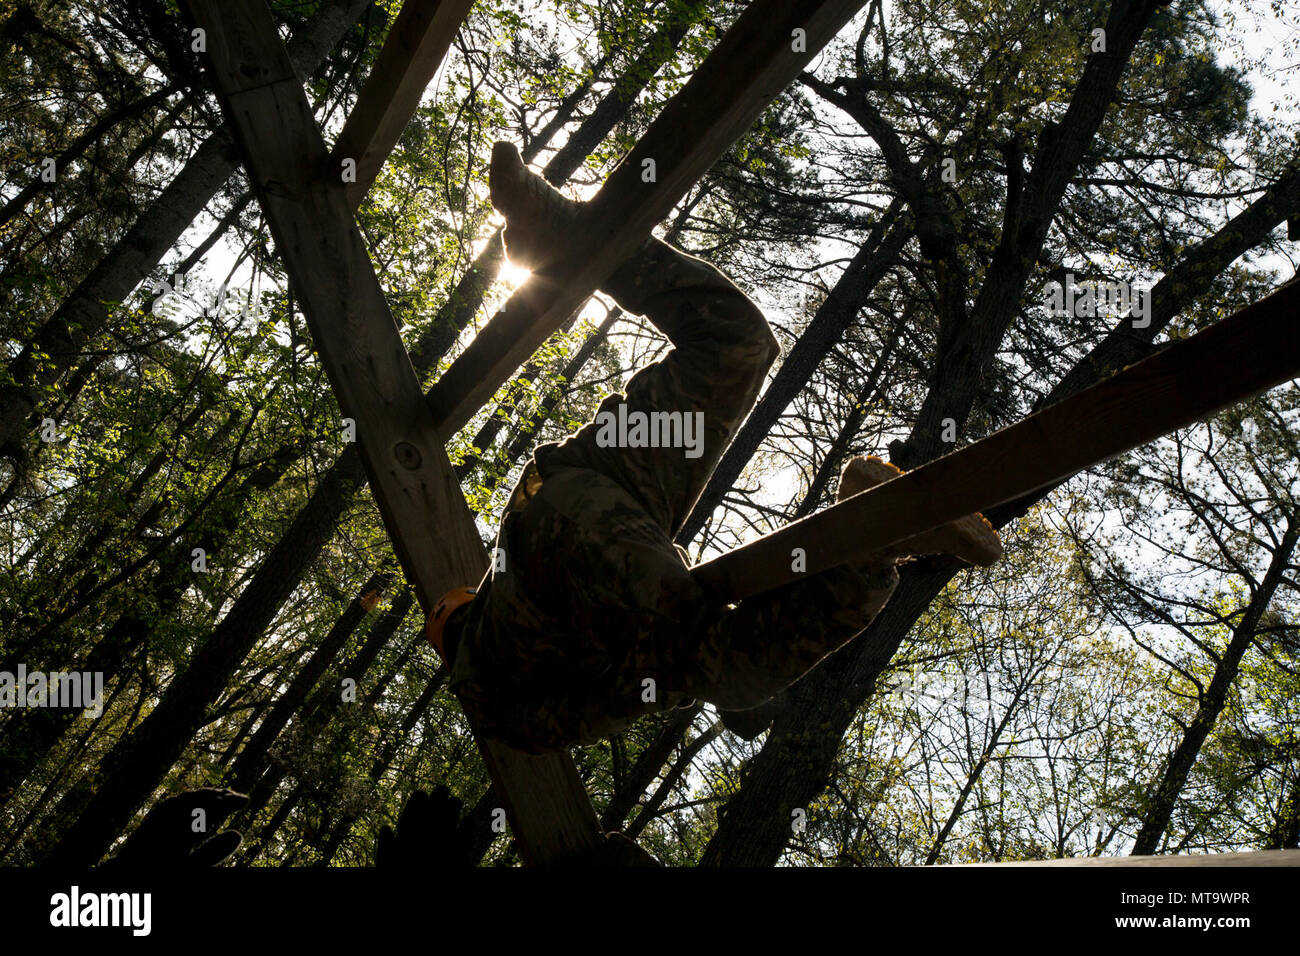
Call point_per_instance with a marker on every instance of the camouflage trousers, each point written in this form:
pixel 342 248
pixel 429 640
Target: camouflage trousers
pixel 595 619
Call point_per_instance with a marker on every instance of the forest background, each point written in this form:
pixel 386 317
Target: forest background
pixel 182 511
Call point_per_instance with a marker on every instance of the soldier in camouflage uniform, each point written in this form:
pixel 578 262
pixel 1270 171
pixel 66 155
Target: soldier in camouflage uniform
pixel 595 618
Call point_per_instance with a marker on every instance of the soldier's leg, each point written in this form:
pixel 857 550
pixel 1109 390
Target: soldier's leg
pixel 699 393
pixel 641 634
pixel 694 398
pixel 744 655
pixel 737 658
pixel 769 641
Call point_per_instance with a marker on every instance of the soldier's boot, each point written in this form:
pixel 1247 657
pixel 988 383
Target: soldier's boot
pixel 540 228
pixel 880 569
pixel 970 538
pixel 540 222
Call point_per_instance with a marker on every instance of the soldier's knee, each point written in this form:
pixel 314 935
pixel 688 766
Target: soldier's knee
pixel 771 344
pixel 751 333
pixel 765 340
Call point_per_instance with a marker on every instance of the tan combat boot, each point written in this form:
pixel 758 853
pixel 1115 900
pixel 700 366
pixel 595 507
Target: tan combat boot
pixel 970 538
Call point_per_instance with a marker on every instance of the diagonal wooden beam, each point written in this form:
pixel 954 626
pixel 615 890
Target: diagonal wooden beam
pixel 1232 360
pixel 762 53
pixel 433 532
pixel 414 48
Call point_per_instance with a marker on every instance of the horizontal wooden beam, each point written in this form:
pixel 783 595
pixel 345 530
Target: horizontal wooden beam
pixel 765 49
pixel 1269 858
pixel 1230 361
pixel 412 52
pixel 411 479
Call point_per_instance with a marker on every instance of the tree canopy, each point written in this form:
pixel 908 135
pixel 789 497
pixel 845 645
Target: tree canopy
pixel 180 498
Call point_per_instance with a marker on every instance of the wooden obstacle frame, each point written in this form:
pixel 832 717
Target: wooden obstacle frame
pixel 300 185
pixel 310 205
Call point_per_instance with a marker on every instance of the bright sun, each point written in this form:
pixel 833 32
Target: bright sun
pixel 513 275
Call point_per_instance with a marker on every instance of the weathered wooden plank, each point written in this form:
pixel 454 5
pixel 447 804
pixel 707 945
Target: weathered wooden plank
pixel 766 48
pixel 1269 858
pixel 412 51
pixel 433 532
pixel 1243 355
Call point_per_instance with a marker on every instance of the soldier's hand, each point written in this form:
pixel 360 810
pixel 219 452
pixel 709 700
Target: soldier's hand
pixel 184 831
pixel 426 833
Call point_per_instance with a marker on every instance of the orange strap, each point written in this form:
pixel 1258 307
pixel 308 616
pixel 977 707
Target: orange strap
pixel 437 621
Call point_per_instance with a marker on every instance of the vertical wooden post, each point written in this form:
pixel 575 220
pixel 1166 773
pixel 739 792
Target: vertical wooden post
pixel 309 208
pixel 302 193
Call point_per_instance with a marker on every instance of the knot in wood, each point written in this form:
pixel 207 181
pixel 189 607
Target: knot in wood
pixel 408 456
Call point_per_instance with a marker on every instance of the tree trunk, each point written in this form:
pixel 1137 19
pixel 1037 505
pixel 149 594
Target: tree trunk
pixel 798 756
pixel 671 778
pixel 249 762
pixel 84 314
pixel 262 780
pixel 647 767
pixel 973 778
pixel 967 352
pixel 1164 796
pixel 73 151
pixel 39 729
pixel 140 760
pixel 385 757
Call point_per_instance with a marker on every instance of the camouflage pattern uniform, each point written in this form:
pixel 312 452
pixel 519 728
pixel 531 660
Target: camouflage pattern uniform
pixel 595 599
